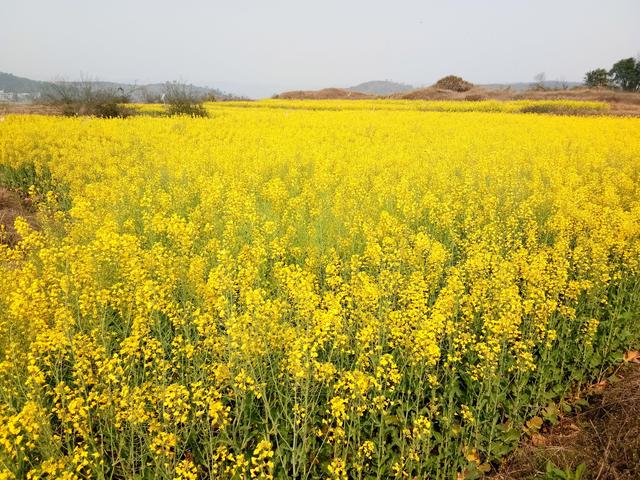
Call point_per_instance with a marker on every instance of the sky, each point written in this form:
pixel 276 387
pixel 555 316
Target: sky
pixel 261 47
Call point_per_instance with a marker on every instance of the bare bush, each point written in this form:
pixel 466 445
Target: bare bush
pixel 180 99
pixel 86 97
pixel 149 96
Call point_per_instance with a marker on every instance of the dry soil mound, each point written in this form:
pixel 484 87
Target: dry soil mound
pixel 451 82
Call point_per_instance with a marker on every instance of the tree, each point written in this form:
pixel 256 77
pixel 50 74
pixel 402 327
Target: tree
pixel 181 99
pixel 597 78
pixel 540 78
pixel 87 97
pixel 625 74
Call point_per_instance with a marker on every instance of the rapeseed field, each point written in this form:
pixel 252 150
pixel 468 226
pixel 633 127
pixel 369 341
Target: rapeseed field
pixel 274 292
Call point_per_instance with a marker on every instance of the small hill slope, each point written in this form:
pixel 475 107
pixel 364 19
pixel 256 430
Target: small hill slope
pixel 324 94
pixel 381 87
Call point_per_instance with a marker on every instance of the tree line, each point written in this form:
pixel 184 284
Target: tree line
pixel 88 97
pixel 624 74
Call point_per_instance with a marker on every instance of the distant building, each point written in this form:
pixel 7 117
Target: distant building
pixel 6 96
pixel 26 97
pixel 18 97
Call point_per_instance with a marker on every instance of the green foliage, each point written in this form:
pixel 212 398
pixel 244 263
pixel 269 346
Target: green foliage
pixel 27 178
pixel 625 74
pixel 25 175
pixel 554 473
pixel 597 78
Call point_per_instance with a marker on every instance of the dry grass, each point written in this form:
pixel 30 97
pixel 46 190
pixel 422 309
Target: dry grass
pixel 29 108
pixel 605 437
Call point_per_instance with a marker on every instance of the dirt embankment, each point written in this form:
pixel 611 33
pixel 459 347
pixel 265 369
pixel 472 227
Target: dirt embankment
pixel 604 437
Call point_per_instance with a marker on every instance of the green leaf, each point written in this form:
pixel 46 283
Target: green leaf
pixel 566 407
pixel 550 413
pixel 580 471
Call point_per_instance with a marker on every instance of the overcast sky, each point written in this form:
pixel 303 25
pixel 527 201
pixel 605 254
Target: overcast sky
pixel 259 47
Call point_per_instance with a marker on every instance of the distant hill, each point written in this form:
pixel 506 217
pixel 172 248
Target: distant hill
pixel 384 88
pixel 139 93
pixel 373 89
pixel 324 94
pixel 381 87
pixel 13 84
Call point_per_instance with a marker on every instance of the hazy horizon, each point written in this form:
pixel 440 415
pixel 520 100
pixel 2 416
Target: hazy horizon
pixel 257 49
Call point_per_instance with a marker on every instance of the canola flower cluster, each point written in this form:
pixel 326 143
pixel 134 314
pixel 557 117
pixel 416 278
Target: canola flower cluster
pixel 507 106
pixel 272 293
pixel 575 107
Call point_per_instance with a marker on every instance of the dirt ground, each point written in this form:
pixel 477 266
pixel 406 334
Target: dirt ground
pixel 28 108
pixel 12 205
pixel 605 437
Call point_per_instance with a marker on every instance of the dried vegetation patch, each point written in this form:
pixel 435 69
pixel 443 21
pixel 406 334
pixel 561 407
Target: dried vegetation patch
pixel 12 206
pixel 604 437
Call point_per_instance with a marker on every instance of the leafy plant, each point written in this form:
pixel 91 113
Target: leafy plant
pixel 554 473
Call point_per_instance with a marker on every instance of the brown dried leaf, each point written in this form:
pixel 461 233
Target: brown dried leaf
pixel 538 440
pixel 599 387
pixel 574 427
pixel 632 356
